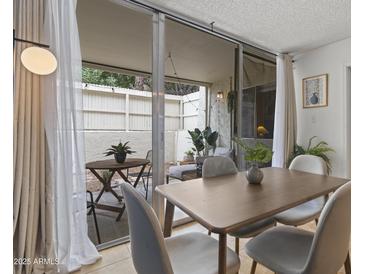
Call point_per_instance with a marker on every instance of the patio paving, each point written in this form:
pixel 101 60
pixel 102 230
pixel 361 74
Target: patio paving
pixel 109 228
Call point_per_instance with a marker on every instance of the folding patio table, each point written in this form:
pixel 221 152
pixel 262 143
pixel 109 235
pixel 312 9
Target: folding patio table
pixel 113 166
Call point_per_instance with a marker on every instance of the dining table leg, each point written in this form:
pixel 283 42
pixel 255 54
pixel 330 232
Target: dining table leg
pixel 222 254
pixel 169 217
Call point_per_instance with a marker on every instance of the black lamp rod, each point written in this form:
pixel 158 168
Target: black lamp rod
pixel 31 42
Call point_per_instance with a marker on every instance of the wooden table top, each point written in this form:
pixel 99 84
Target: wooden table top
pixel 226 203
pixel 112 164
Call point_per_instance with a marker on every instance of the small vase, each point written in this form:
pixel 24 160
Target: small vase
pixel 254 174
pixel 120 157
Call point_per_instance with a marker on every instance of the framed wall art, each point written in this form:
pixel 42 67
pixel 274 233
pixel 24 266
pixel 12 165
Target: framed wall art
pixel 315 91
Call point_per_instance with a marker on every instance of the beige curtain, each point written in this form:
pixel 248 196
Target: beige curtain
pixel 32 201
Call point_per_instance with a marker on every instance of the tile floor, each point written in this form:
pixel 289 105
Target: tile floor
pixel 118 259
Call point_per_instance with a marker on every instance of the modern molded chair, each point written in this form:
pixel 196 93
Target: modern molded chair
pixel 152 254
pixel 311 210
pixel 219 166
pixel 290 250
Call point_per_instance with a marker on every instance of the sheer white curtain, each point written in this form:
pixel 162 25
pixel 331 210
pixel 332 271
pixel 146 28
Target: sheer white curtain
pixel 285 124
pixel 64 124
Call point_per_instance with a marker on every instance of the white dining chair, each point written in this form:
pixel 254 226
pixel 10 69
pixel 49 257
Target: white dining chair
pixel 219 166
pixel 194 253
pixel 290 250
pixel 307 211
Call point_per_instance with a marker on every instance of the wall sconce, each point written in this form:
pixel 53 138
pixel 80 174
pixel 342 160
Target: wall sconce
pixel 220 96
pixel 37 59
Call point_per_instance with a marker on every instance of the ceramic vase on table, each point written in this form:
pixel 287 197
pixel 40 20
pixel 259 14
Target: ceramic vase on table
pixel 254 174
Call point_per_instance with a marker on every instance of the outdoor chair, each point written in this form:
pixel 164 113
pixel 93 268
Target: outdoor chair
pixel 90 204
pixel 290 250
pixel 193 253
pixel 146 174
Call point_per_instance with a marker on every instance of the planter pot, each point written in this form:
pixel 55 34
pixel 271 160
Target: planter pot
pixel 189 158
pixel 254 175
pixel 120 157
pixel 199 164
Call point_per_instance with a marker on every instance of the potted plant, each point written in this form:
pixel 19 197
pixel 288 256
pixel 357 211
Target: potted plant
pixel 204 141
pixel 189 155
pixel 320 150
pixel 257 154
pixel 119 151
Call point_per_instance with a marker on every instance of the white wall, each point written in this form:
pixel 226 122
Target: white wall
pixel 328 123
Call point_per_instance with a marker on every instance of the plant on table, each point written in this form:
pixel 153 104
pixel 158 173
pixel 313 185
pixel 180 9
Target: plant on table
pixel 256 154
pixel 320 150
pixel 119 151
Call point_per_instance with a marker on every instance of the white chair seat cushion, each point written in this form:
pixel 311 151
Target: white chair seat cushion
pixel 282 249
pixel 189 252
pixel 301 214
pixel 254 229
pixel 179 171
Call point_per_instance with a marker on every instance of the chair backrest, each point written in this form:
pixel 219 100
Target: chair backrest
pixel 149 156
pixel 218 166
pixel 309 163
pixel 147 243
pixel 331 241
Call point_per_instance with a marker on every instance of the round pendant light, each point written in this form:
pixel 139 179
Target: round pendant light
pixel 38 60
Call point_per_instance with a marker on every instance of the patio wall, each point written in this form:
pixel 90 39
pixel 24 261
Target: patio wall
pixel 96 142
pixel 114 114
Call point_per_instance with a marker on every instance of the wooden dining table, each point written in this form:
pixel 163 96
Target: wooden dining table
pixel 226 203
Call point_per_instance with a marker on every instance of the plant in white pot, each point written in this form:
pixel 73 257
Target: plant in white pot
pixel 119 151
pixel 256 154
pixel 189 155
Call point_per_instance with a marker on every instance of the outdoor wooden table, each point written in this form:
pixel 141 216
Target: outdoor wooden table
pixel 113 166
pixel 226 203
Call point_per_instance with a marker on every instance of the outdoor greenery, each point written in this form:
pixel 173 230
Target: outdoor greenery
pixel 204 140
pixel 258 154
pixel 320 149
pixel 113 79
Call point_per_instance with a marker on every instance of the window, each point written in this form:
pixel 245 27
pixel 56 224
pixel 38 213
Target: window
pixel 258 111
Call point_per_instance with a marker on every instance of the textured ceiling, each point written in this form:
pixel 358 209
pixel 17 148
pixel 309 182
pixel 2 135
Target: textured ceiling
pixel 278 25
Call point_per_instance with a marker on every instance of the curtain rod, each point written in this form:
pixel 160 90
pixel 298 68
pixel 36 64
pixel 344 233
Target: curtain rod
pixel 198 26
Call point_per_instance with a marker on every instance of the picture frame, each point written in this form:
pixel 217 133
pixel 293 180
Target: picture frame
pixel 315 91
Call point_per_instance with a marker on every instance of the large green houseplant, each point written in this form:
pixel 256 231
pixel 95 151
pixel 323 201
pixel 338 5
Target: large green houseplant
pixel 320 150
pixel 204 141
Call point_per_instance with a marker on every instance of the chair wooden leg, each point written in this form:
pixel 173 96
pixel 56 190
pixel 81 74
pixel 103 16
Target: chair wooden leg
pixel 316 221
pixel 237 246
pixel 209 232
pixel 253 267
pixel 348 264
